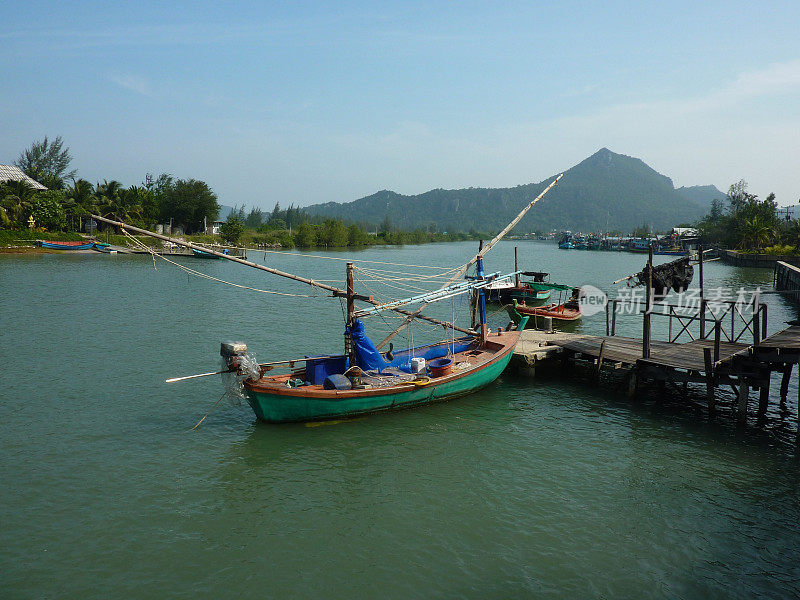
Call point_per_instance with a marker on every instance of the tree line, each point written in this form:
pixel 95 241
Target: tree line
pixel 188 204
pixel 743 222
pixel 293 227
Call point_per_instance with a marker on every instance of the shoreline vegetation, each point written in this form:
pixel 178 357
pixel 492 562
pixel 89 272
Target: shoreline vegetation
pixel 190 208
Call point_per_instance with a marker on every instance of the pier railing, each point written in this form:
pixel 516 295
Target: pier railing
pixel 718 320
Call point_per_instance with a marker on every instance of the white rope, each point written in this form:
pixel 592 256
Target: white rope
pixel 205 276
pixel 353 260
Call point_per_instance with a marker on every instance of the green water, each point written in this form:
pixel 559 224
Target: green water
pixel 529 488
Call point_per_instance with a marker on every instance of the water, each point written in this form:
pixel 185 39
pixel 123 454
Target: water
pixel 529 488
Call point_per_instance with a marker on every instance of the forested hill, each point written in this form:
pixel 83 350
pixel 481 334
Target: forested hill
pixel 607 191
pixel 703 195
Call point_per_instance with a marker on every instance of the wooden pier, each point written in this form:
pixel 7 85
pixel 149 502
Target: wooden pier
pixel 741 366
pixel 717 343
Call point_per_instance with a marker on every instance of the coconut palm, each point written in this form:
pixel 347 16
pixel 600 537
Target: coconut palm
pixel 755 233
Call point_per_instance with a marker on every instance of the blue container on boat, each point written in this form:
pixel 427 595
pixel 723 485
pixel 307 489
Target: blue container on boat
pixel 317 369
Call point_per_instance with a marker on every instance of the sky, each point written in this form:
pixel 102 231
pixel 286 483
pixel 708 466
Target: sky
pixel 305 102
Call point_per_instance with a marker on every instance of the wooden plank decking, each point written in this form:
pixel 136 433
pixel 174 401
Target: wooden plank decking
pixel 629 350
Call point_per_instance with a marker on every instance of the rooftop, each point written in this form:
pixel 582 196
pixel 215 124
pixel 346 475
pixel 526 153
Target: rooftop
pixel 12 173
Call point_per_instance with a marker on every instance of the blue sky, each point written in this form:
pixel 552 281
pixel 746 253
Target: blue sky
pixel 314 102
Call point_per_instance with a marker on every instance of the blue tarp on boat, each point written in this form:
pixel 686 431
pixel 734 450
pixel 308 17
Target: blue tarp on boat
pixel 368 357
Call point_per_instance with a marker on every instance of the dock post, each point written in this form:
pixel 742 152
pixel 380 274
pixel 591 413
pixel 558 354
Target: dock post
pixel 709 366
pixel 763 397
pixel 599 364
pixel 608 324
pixel 717 338
pixel 702 319
pixel 702 295
pixel 787 375
pixel 633 384
pixel 797 440
pixel 614 318
pixel 741 404
pixel 649 306
pixel 756 319
pixel 763 321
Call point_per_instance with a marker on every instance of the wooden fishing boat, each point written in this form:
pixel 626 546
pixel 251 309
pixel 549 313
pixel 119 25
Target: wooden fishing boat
pixel 475 364
pixel 560 313
pixel 529 291
pixel 65 245
pixel 363 379
pixel 532 293
pixel 670 252
pixel 639 245
pixel 566 242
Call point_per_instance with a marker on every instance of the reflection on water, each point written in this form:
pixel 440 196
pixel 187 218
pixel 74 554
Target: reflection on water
pixel 526 488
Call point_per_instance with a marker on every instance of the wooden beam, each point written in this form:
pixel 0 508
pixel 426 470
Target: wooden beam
pixel 334 290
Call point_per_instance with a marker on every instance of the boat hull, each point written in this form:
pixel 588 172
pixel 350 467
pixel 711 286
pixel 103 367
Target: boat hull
pixel 201 254
pixel 66 245
pixel 294 404
pixel 526 295
pixel 557 313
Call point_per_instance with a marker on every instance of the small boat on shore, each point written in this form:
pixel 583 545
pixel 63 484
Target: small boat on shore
pixel 200 254
pixel 65 245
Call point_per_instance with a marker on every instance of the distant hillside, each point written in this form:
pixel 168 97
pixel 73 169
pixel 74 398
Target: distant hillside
pixel 224 211
pixel 607 191
pixel 702 195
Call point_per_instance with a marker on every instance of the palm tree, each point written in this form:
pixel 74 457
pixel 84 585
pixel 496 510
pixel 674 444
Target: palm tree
pixel 755 233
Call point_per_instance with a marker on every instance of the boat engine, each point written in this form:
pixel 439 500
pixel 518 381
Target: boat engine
pixel 232 354
pixel 240 366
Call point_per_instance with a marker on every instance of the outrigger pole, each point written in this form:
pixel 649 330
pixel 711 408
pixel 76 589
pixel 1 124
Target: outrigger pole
pixel 479 257
pixel 339 293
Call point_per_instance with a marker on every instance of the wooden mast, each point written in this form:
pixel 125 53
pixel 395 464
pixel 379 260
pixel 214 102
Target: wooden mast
pixel 351 307
pixel 460 273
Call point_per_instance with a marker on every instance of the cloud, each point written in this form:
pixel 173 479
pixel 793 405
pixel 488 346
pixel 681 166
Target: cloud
pixel 134 83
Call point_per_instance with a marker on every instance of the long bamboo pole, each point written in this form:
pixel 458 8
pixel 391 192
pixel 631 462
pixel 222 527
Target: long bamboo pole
pixel 334 290
pixel 460 273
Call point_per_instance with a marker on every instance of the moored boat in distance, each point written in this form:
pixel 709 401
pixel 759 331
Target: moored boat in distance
pixel 566 242
pixel 200 254
pixel 65 245
pixel 639 245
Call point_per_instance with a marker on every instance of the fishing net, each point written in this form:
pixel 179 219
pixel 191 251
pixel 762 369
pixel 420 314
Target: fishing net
pixel 675 275
pixel 232 381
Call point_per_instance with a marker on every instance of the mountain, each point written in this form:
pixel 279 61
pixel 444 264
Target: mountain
pixel 224 211
pixel 702 195
pixel 606 191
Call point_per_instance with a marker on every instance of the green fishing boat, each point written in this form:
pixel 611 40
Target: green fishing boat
pixel 475 364
pixel 363 379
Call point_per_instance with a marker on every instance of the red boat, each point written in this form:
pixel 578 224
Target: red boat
pixel 567 312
